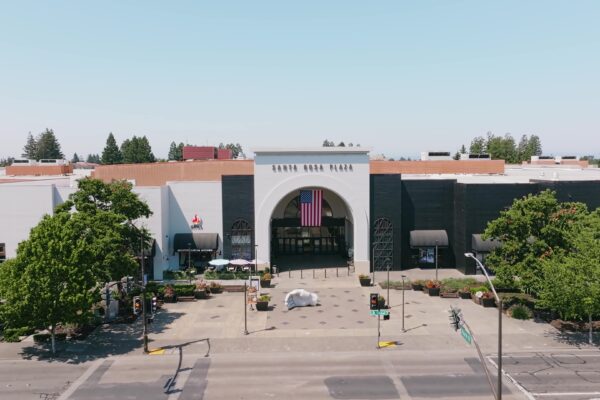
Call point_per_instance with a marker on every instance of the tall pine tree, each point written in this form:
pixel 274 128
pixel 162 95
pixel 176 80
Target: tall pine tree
pixel 48 146
pixel 111 153
pixel 30 149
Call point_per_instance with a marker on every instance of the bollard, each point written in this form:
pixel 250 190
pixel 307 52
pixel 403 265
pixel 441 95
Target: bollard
pixel 336 272
pixel 301 269
pixel 313 273
pixel 290 271
pixel 325 269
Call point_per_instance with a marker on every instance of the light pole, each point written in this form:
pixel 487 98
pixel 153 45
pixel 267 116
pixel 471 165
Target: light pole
pixel 373 246
pixel 388 262
pixel 436 260
pixel 143 292
pixel 403 289
pixel 481 266
pixel 255 259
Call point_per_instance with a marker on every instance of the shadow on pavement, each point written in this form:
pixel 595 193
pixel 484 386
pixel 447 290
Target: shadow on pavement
pixel 107 340
pixel 578 339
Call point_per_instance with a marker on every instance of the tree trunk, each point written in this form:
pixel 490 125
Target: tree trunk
pixel 591 338
pixel 52 335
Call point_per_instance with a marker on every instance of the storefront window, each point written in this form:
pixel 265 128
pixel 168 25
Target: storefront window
pixel 427 255
pixel 241 240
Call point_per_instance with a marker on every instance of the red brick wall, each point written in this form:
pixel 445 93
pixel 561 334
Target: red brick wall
pixel 199 152
pixel 39 170
pixel 224 154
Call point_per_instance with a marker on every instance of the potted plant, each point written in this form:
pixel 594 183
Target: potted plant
pixel 169 294
pixel 263 303
pixel 477 293
pixel 365 280
pixel 216 288
pixel 433 287
pixel 464 293
pixel 381 302
pixel 417 285
pixel 488 300
pixel 265 280
pixel 202 291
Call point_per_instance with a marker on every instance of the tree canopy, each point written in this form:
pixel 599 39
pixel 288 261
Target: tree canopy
pixel 175 152
pixel 505 147
pixel 93 158
pixel 111 153
pixel 137 150
pixel 236 149
pixel 45 146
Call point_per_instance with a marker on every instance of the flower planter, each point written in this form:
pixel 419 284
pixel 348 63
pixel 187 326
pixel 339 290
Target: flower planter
pixel 464 295
pixel 216 290
pixel 365 281
pixel 417 286
pixel 170 299
pixel 265 283
pixel 262 306
pixel 488 302
pixel 186 298
pixel 449 295
pixel 433 291
pixel 201 294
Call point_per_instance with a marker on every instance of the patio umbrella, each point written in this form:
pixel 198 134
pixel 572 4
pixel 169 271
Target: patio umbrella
pixel 239 261
pixel 218 261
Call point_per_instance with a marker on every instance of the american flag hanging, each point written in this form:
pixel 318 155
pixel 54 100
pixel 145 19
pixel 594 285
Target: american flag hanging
pixel 310 207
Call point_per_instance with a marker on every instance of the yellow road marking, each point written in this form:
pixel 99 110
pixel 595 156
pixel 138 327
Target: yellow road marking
pixel 156 352
pixel 387 344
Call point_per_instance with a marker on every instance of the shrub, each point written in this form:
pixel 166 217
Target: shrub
pixel 363 276
pixel 264 297
pixel 184 290
pixel 152 287
pixel 13 334
pixel 169 292
pixel 456 284
pixel 479 289
pixel 510 299
pixel 266 277
pixel 210 275
pixel 432 284
pixel 215 285
pixel 519 311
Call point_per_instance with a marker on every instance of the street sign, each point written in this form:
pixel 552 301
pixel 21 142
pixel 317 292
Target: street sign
pixel 466 335
pixel 375 313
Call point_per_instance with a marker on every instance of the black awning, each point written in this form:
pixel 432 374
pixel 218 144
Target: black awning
pixel 196 241
pixel 428 238
pixel 149 250
pixel 479 245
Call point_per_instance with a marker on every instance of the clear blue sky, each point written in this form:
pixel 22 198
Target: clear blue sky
pixel 399 77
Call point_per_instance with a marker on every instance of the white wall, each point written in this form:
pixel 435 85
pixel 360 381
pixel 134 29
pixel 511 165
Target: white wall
pixel 187 199
pixel 22 208
pixel 349 180
pixel 153 197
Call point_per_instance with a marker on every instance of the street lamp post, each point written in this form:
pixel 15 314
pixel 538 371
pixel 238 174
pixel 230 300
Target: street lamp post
pixel 436 260
pixel 388 262
pixel 255 258
pixel 403 289
pixel 482 267
pixel 143 293
pixel 373 261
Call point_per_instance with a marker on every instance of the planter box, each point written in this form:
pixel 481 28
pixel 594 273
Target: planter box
pixel 488 302
pixel 262 306
pixel 170 300
pixel 433 291
pixel 365 282
pixel 216 290
pixel 417 286
pixel 201 294
pixel 464 295
pixel 265 283
pixel 186 298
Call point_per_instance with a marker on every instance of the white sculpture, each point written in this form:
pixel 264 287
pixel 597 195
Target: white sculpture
pixel 300 298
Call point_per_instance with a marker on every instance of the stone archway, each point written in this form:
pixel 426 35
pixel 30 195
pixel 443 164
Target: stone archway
pixel 355 200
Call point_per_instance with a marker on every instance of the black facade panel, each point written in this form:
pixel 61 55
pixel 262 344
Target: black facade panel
pixel 386 197
pixel 587 192
pixel 427 204
pixel 475 206
pixel 238 203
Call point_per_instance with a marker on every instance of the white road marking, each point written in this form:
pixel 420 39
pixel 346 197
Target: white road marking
pixel 526 392
pixel 81 380
pixel 567 394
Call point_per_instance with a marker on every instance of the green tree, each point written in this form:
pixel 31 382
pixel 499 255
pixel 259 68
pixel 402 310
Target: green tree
pixel 52 280
pixel 236 149
pixel 111 153
pixel 137 150
pixel 93 158
pixel 477 146
pixel 121 207
pixel 4 162
pixel 534 146
pixel 75 158
pixel 327 143
pixel 502 148
pixel 341 144
pixel 30 150
pixel 172 152
pixel 47 146
pixel 534 228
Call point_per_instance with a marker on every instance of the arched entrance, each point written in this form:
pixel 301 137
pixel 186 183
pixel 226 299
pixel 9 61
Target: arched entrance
pixel 297 241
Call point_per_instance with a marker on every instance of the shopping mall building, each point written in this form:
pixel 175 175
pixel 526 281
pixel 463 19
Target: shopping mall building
pixel 385 213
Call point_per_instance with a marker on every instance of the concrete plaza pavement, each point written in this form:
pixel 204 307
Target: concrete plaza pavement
pixel 323 352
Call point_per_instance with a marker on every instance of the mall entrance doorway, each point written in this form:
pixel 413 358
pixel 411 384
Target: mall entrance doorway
pixel 295 245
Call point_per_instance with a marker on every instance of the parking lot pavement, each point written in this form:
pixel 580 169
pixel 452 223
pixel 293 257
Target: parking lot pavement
pixel 571 375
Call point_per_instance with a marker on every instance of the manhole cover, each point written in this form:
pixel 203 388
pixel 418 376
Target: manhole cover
pixel 346 291
pixel 323 323
pixel 336 305
pixel 319 310
pixel 214 316
pixel 338 316
pixel 354 310
pixel 302 316
pixel 360 322
pixel 285 323
pixel 350 300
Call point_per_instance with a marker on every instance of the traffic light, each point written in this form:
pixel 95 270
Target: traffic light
pixel 454 318
pixel 374 302
pixel 154 305
pixel 137 305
